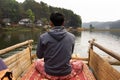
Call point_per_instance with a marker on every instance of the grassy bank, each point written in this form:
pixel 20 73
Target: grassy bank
pixel 21 28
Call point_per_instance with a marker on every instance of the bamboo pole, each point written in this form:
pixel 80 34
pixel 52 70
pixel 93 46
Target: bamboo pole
pixel 90 47
pixel 110 52
pixel 111 60
pixel 30 49
pixel 114 62
pixel 3 51
pixel 33 56
pixel 80 58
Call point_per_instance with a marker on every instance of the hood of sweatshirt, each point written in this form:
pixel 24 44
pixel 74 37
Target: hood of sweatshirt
pixel 58 32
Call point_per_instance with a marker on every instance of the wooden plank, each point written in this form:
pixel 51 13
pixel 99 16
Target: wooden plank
pixel 102 69
pixel 77 56
pixel 19 69
pixel 84 59
pixel 19 62
pixel 111 60
pixel 10 59
pixel 21 59
pixel 16 71
pixel 3 51
pixel 16 56
pixel 110 52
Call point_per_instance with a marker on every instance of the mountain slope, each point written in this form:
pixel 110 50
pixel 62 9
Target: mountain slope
pixel 105 25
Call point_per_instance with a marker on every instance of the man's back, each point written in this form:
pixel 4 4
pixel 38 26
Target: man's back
pixel 57 48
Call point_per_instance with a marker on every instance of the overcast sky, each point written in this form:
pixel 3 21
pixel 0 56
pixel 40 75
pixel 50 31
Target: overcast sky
pixel 89 10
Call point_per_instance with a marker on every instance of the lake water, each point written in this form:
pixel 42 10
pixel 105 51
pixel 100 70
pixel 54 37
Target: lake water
pixel 110 40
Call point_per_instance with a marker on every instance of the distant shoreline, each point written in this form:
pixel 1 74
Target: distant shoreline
pixel 102 29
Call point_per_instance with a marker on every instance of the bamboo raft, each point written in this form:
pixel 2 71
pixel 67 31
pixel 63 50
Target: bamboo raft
pixel 21 62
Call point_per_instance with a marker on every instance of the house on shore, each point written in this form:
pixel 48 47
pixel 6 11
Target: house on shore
pixel 25 22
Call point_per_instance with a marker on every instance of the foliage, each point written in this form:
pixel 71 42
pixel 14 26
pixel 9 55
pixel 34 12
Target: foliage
pixel 9 9
pixel 38 11
pixel 30 14
pixel 91 26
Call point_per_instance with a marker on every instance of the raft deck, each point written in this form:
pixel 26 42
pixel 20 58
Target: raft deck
pixel 21 61
pixel 32 74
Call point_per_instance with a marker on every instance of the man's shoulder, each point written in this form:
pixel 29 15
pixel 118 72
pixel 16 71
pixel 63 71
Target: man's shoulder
pixel 44 34
pixel 70 34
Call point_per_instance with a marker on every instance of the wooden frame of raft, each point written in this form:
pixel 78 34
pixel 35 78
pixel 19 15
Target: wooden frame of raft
pixel 102 69
pixel 21 61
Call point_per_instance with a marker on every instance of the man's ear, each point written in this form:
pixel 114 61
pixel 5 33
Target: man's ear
pixel 51 24
pixel 63 24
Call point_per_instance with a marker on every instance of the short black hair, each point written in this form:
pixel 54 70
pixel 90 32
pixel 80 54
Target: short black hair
pixel 57 18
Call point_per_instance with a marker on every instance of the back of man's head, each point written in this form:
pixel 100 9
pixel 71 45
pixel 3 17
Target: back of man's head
pixel 57 19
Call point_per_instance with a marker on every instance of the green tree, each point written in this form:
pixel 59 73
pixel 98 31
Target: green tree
pixel 30 15
pixel 9 9
pixel 44 10
pixel 91 27
pixel 34 10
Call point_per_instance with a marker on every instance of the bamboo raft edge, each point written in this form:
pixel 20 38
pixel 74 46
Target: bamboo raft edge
pixel 85 60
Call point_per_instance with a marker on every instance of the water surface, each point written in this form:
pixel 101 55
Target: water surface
pixel 106 39
pixel 110 40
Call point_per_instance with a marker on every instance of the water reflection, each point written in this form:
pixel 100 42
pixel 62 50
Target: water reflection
pixel 110 40
pixel 107 39
pixel 77 34
pixel 10 38
pixel 115 33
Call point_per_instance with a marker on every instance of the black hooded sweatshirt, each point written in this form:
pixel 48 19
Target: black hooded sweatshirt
pixel 56 47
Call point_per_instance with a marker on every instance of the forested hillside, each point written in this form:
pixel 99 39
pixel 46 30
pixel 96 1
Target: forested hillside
pixel 39 11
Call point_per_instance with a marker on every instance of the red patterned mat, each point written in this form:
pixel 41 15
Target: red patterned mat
pixel 32 74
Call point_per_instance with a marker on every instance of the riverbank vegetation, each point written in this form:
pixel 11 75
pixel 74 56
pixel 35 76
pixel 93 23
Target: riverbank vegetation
pixel 12 12
pixel 22 29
